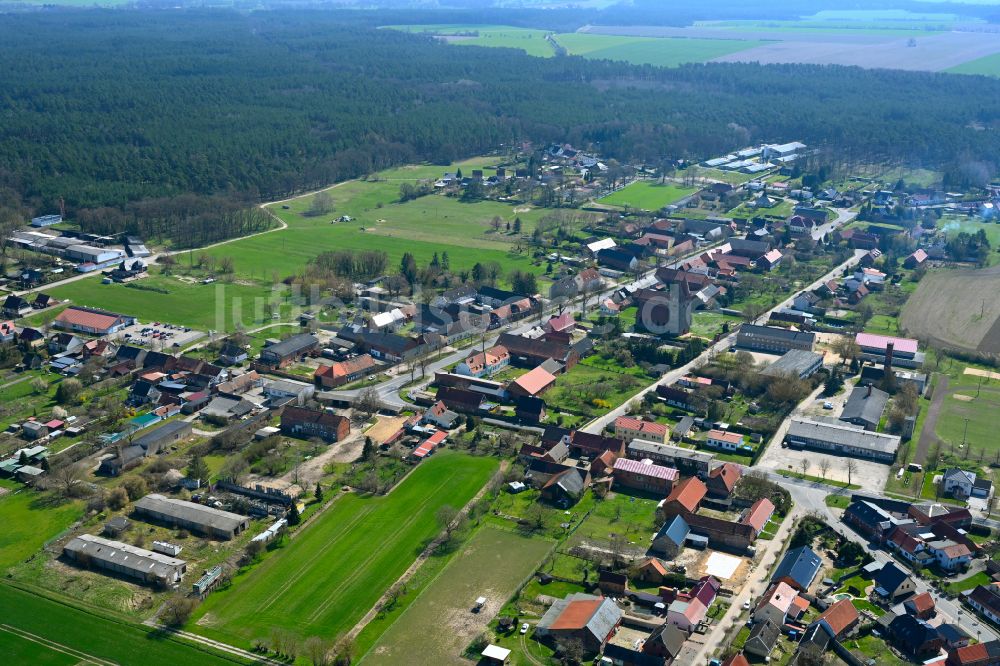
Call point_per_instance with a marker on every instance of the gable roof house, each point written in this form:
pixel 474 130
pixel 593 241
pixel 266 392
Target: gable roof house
pixel 485 363
pixel 722 480
pixel 986 600
pixel 775 603
pixel 618 260
pixel 533 383
pixel 685 498
pixel 589 619
pixel 758 515
pixel 644 475
pixel 893 583
pixel 284 353
pixel 798 568
pixel 565 488
pixel 921 606
pixel 762 638
pixel 15 306
pixel 344 372
pixel 839 619
pixel 915 636
pixel 670 539
pixel 308 423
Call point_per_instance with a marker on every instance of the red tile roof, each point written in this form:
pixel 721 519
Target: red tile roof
pixel 535 381
pixel 758 514
pixel 970 654
pixel 728 473
pixel 89 319
pixel 428 444
pixel 577 614
pixel 726 436
pixel 840 616
pixel 645 427
pixel 921 603
pixel 736 660
pixel 688 493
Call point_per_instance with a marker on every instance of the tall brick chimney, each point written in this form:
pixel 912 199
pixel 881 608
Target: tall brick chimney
pixel 888 361
pixel 869 394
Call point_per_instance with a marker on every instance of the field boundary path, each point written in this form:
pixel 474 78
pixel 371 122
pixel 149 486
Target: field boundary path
pixel 218 645
pixel 421 558
pixel 927 436
pixel 55 647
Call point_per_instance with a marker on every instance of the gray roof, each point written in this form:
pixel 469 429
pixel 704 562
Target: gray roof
pixel 843 434
pixel 138 560
pixel 599 624
pixel 683 426
pixel 762 637
pixel 189 511
pixel 776 333
pixel 800 565
pixel 162 433
pixel 226 407
pixel 292 345
pixel 890 577
pixel 793 362
pixel 866 403
pixel 640 446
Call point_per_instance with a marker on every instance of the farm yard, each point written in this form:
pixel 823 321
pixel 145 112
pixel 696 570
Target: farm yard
pixel 648 195
pixel 38 630
pixel 492 564
pixel 325 580
pixel 952 309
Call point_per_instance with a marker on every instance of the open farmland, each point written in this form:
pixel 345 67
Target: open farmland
pixel 323 581
pixel 529 40
pixel 648 195
pixel 954 309
pixel 987 66
pixel 663 52
pixel 30 519
pixel 492 565
pixel 37 630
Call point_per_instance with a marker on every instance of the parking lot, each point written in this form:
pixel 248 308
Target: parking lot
pixel 158 335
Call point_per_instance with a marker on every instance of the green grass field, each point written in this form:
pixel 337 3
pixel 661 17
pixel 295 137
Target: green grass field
pixel 492 564
pixel 30 519
pixel 659 51
pixel 980 413
pixel 37 630
pixel 425 226
pixel 956 224
pixel 647 195
pixel 987 66
pixel 215 306
pixel 327 578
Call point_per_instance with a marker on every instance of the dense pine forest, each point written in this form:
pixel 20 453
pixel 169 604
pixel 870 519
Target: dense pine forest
pixel 114 108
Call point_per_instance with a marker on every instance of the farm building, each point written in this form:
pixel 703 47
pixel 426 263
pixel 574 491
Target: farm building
pixel 344 372
pixel 688 461
pixel 121 558
pixel 903 352
pixel 147 445
pixel 644 475
pixel 849 440
pixel 589 619
pixel 195 517
pixel 284 353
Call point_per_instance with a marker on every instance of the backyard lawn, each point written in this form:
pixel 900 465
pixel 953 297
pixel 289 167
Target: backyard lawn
pixel 648 195
pixel 322 582
pixel 492 565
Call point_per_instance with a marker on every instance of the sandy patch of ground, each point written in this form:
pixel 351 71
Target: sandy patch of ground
pixel 698 564
pixel 385 427
pixel 961 397
pixel 722 566
pixel 981 373
pixel 4 491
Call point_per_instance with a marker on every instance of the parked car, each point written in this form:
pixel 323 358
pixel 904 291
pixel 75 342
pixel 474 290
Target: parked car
pixel 524 628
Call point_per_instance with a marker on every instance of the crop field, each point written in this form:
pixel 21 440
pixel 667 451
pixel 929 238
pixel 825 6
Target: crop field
pixel 215 306
pixel 662 52
pixel 987 65
pixel 322 582
pixel 37 630
pixel 648 195
pixel 30 519
pixel 529 40
pixel 492 565
pixel 953 309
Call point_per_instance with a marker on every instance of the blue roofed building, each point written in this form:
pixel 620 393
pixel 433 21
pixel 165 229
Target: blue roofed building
pixel 670 539
pixel 798 568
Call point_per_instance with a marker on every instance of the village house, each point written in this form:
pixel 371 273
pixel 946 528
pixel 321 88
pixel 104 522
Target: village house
pixel 798 568
pixel 725 440
pixel 308 423
pixel 762 639
pixel 671 538
pixel 775 604
pixel 722 480
pixel 486 363
pixel 893 583
pixel 840 619
pixel 920 606
pixel 533 383
pixel 628 428
pixel 345 372
pixel 986 600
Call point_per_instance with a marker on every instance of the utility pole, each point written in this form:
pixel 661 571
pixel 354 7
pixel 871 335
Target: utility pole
pixel 965 432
